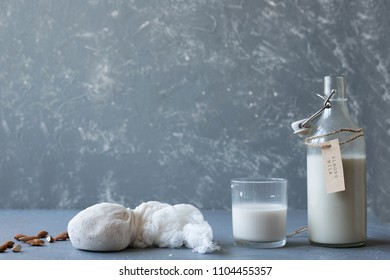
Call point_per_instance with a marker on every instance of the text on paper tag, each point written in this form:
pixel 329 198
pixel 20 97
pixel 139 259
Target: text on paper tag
pixel 333 166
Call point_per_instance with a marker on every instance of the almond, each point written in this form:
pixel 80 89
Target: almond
pixel 17 248
pixel 35 242
pixel 3 247
pixel 49 239
pixel 42 234
pixel 27 238
pixel 9 243
pixel 60 237
pixel 18 236
pixel 62 234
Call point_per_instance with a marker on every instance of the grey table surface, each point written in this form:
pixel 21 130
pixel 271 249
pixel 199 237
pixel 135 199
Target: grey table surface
pixel 297 247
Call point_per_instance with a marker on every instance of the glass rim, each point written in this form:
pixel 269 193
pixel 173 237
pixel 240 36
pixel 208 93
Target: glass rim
pixel 257 180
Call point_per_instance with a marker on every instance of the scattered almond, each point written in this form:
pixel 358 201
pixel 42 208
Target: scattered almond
pixel 3 247
pixel 64 233
pixel 42 234
pixel 18 236
pixel 49 239
pixel 9 243
pixel 17 248
pixel 35 242
pixel 60 237
pixel 27 238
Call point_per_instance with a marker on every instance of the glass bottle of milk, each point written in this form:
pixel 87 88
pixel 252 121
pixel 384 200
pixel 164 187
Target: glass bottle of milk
pixel 337 219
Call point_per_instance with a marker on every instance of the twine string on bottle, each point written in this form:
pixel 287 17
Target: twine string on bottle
pixel 356 134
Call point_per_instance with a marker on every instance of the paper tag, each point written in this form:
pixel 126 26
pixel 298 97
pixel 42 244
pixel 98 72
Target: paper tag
pixel 333 166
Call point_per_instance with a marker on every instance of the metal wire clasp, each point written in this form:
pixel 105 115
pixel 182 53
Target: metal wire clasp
pixel 327 105
pixel 302 127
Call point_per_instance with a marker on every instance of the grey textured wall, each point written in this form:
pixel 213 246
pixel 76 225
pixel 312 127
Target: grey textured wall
pixel 135 100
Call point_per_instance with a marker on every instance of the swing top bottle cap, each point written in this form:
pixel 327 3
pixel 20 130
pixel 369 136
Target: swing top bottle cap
pixel 335 83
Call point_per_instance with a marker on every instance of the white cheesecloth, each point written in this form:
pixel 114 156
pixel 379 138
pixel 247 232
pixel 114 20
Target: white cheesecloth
pixel 113 227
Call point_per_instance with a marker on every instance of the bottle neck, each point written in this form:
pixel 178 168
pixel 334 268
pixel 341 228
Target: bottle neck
pixel 336 83
pixel 336 122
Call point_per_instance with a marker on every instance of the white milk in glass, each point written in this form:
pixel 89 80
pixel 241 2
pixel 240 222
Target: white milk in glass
pixel 337 218
pixel 259 222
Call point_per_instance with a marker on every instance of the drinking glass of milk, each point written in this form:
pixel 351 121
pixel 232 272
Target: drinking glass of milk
pixel 259 212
